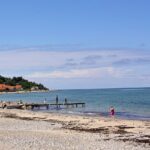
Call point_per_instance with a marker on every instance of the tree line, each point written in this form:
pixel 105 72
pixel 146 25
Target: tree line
pixel 26 85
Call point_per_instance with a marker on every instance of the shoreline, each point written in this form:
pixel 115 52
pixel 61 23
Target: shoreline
pixel 98 102
pixel 80 113
pixel 21 92
pixel 96 114
pixel 20 113
pixel 117 130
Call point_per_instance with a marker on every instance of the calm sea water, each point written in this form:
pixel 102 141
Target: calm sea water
pixel 129 103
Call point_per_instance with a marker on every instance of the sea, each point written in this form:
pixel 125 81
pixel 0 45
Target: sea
pixel 129 103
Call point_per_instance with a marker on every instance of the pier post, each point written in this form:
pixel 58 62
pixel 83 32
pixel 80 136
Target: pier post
pixel 47 107
pixel 32 107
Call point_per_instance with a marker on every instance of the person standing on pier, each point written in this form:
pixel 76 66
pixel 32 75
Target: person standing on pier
pixel 57 99
pixel 65 100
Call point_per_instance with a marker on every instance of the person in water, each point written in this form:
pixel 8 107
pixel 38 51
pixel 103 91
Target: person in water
pixel 112 111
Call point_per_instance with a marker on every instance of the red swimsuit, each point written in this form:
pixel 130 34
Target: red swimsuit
pixel 112 112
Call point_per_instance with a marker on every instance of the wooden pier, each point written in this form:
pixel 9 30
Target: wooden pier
pixel 68 104
pixel 32 106
pixel 40 105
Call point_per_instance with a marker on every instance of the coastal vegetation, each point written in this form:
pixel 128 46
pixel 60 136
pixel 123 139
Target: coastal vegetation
pixel 19 83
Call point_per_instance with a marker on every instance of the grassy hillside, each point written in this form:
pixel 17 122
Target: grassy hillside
pixel 26 85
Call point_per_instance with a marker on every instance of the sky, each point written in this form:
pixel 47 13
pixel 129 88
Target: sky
pixel 73 44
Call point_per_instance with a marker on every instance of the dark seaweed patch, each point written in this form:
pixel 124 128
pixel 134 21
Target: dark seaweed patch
pixel 91 130
pixel 120 131
pixel 140 141
pixel 124 127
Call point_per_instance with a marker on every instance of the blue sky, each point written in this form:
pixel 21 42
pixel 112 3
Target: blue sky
pixel 76 43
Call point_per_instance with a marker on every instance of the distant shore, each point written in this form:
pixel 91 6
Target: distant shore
pixel 38 130
pixel 20 92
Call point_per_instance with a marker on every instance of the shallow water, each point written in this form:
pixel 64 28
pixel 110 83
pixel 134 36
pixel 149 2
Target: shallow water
pixel 130 103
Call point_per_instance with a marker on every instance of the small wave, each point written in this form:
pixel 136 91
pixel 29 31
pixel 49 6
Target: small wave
pixel 127 115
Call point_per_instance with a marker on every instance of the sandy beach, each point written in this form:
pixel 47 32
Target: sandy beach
pixel 23 129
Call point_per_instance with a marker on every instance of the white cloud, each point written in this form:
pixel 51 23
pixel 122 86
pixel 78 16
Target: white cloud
pixel 56 59
pixel 82 73
pixel 39 58
pixel 69 65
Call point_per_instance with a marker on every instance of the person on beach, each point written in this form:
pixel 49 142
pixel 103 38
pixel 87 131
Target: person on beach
pixel 4 105
pixel 112 111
